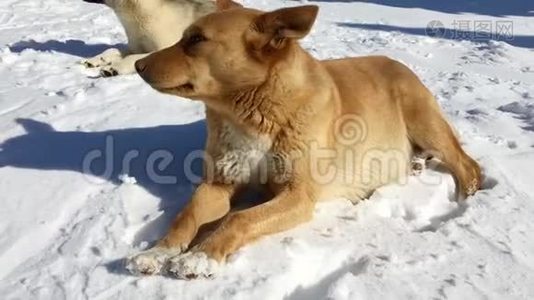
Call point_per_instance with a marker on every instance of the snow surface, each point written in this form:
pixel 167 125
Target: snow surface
pixel 64 233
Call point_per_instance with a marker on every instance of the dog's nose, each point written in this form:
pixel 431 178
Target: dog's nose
pixel 140 66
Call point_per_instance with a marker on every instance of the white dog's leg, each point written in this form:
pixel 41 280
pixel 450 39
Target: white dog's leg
pixel 123 66
pixel 103 59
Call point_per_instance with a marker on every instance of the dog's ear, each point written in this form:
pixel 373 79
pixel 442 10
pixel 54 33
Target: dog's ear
pixel 273 29
pixel 291 22
pixel 226 4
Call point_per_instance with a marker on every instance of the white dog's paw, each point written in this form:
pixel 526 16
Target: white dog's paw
pixel 149 262
pixel 95 62
pixel 192 265
pixel 104 59
pixel 108 71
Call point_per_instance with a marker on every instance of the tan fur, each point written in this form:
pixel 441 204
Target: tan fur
pixel 150 25
pixel 359 119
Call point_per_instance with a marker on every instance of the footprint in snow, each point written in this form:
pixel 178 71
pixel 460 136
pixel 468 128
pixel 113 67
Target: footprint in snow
pixel 522 111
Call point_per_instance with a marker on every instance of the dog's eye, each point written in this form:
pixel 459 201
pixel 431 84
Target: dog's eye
pixel 195 39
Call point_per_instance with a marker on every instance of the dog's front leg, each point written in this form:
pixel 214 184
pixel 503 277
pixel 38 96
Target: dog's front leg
pixel 210 202
pixel 290 208
pixel 122 66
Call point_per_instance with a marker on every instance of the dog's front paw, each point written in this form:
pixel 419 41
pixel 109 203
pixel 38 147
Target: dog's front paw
pixel 149 262
pixel 192 265
pixel 108 71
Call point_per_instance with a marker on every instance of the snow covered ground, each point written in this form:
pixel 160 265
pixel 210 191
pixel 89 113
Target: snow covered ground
pixel 64 233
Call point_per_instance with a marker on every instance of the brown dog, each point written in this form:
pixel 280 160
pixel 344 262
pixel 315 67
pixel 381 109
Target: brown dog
pixel 308 129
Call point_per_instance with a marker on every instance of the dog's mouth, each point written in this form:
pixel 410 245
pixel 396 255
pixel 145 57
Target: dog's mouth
pixel 186 88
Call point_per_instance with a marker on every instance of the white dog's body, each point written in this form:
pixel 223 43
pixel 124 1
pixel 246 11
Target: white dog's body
pixel 150 25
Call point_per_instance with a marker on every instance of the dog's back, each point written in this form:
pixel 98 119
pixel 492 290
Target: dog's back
pixel 151 25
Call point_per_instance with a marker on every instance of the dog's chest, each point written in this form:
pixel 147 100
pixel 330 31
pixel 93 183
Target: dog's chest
pixel 242 157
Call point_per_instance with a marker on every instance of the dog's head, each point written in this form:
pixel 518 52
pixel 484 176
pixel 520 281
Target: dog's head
pixel 227 51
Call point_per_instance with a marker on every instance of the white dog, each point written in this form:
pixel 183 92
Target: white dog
pixel 150 25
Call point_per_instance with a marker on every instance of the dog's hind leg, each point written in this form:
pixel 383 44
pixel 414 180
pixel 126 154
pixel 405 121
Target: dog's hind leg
pixel 429 131
pixel 210 202
pixel 103 59
pixel 122 66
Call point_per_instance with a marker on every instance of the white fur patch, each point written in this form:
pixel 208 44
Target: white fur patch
pixel 192 265
pixel 149 262
pixel 242 155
